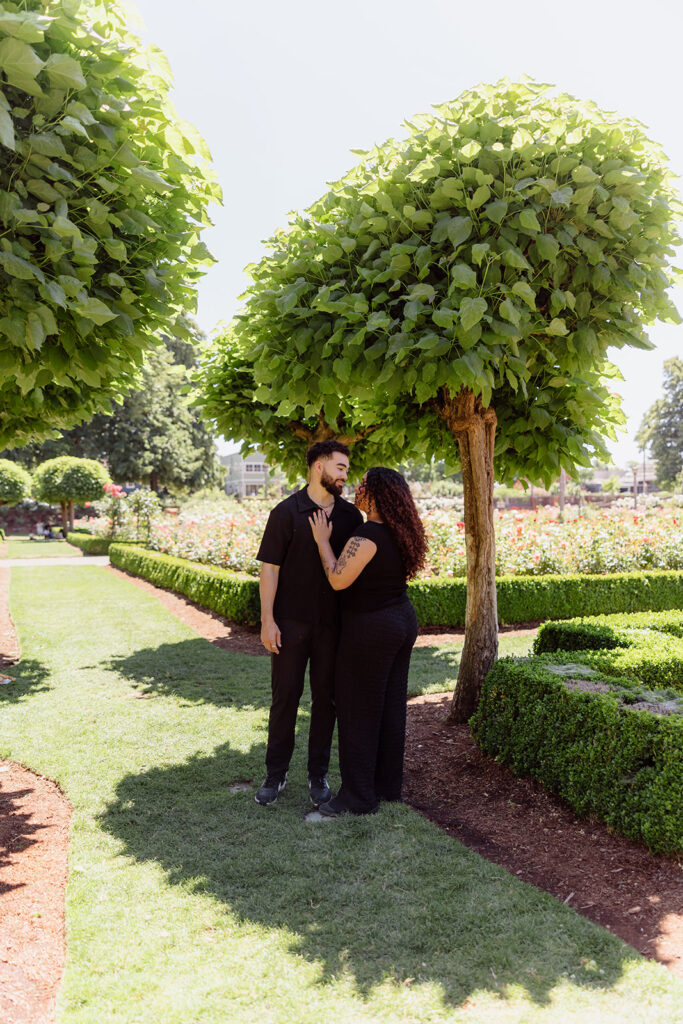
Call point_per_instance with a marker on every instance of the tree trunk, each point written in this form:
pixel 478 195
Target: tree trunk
pixel 154 481
pixel 65 516
pixel 474 428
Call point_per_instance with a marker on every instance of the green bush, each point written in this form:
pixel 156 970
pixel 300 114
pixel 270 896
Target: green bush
pixel 15 482
pixel 623 765
pixel 651 656
pixel 441 602
pixel 670 621
pixel 87 543
pixel 236 597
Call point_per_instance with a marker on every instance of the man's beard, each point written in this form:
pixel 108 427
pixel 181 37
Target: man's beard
pixel 332 486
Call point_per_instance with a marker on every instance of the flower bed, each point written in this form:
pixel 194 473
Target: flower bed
pixel 528 543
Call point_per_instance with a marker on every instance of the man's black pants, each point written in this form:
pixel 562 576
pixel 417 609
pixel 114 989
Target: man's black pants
pixel 302 643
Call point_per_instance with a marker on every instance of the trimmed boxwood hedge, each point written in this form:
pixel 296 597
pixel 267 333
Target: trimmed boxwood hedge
pixel 234 596
pixel 87 543
pixel 438 602
pixel 623 765
pixel 651 656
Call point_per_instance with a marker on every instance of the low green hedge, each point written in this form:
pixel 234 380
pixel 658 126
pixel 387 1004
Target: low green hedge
pixel 87 543
pixel 663 622
pixel 439 601
pixel 236 597
pixel 623 765
pixel 651 656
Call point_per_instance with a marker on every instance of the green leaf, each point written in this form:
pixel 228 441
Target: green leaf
pixel 20 63
pixel 479 251
pixel 459 230
pixel 526 293
pixel 471 312
pixel 421 292
pixel 400 264
pixel 547 247
pixel 35 331
pixel 95 310
pixel 64 72
pixel 529 221
pixel 496 211
pixel 508 310
pixel 480 196
pixel 557 328
pixel 7 130
pixel 515 258
pixel 17 267
pixel 463 276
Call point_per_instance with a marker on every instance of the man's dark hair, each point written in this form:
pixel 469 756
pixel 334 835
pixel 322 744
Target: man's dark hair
pixel 324 449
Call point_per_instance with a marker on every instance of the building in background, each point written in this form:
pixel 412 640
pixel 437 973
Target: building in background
pixel 250 476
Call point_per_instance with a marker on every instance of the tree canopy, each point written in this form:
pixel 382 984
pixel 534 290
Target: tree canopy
pixel 662 428
pixel 15 483
pixel 455 296
pixel 66 481
pixel 502 247
pixel 103 195
pixel 155 436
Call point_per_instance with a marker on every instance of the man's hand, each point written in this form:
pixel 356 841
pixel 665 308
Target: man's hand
pixel 270 636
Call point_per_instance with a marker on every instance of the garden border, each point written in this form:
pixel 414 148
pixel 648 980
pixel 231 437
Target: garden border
pixel 438 602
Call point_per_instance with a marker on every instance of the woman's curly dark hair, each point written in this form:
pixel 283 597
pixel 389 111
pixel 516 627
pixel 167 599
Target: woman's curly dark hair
pixel 394 502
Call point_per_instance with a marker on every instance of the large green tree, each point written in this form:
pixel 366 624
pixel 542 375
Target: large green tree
pixel 103 194
pixel 154 437
pixel 68 481
pixel 455 296
pixel 662 428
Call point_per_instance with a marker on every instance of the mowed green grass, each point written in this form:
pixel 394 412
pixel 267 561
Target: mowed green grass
pixel 22 547
pixel 187 903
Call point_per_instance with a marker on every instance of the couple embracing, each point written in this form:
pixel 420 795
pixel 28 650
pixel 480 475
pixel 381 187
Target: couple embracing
pixel 334 597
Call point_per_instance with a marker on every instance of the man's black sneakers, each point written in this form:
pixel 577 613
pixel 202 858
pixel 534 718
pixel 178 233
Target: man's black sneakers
pixel 318 789
pixel 270 790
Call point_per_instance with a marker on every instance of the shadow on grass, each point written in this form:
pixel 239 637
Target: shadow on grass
pixel 385 899
pixel 27 676
pixel 433 668
pixel 198 672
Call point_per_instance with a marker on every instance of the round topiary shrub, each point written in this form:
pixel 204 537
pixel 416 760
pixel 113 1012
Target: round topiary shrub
pixel 15 482
pixel 67 480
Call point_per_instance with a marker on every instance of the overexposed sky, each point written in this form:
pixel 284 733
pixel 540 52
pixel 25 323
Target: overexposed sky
pixel 283 91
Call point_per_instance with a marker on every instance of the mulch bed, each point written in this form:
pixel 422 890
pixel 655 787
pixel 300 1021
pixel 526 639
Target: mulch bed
pixel 34 841
pixel 510 821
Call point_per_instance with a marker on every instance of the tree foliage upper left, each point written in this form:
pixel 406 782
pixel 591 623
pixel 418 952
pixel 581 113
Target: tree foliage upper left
pixel 103 195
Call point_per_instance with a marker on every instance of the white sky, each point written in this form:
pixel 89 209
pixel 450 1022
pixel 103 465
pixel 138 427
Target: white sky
pixel 282 91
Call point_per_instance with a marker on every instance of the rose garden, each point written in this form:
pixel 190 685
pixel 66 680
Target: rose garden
pixel 452 301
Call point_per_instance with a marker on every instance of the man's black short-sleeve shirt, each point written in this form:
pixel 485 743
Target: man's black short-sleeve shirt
pixel 303 591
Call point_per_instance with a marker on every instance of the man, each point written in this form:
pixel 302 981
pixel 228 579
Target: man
pixel 299 618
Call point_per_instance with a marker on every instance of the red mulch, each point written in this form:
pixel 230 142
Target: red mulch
pixel 510 821
pixel 34 840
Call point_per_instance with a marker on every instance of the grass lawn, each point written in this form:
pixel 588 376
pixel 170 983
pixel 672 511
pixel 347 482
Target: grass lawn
pixel 188 904
pixel 22 547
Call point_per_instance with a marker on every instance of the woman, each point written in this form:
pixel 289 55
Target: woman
pixel 377 636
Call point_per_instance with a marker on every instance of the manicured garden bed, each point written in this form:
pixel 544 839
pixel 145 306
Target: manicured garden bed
pixel 597 717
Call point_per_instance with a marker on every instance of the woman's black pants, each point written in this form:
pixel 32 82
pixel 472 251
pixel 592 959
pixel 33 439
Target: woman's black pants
pixel 371 683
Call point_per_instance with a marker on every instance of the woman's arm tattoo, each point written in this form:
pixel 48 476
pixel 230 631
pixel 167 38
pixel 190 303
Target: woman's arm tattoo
pixel 351 550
